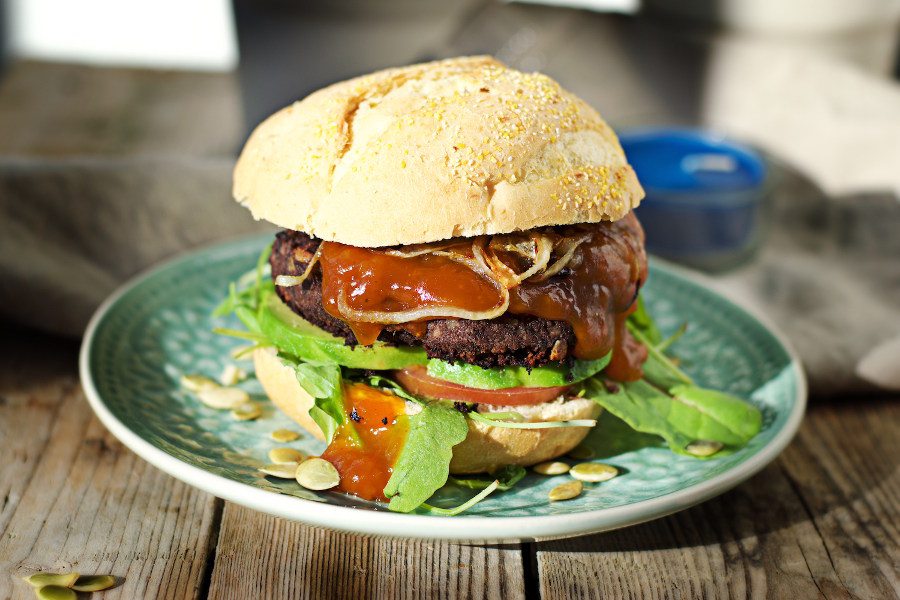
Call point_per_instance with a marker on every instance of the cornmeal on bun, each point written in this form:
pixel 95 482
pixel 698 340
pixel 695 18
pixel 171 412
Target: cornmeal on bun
pixel 456 148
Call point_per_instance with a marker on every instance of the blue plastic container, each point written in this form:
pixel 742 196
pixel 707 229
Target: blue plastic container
pixel 706 196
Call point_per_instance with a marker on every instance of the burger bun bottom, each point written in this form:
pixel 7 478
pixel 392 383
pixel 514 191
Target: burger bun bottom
pixel 485 449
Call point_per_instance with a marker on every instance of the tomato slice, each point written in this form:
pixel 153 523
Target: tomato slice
pixel 417 381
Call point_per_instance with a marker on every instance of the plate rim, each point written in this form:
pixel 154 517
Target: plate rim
pixel 475 529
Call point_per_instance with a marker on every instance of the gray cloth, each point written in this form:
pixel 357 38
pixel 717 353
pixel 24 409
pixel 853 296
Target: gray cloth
pixel 71 231
pixel 828 275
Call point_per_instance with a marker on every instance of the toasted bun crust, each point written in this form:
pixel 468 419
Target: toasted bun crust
pixel 485 449
pixel 459 147
pixel 283 389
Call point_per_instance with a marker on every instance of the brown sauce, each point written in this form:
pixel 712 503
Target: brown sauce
pixel 594 293
pixel 365 448
pixel 373 280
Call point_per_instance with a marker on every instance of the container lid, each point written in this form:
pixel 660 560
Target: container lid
pixel 680 160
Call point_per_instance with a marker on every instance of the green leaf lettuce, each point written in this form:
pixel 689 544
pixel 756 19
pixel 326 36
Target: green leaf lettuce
pixel 324 383
pixel 688 415
pixel 424 463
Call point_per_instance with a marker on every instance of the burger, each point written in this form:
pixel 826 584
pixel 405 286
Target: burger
pixel 456 288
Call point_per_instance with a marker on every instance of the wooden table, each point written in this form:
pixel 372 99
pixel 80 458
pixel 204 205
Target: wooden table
pixel 822 521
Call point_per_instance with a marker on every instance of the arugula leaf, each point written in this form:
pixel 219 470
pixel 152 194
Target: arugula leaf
pixel 658 368
pixel 322 382
pixel 247 316
pixel 664 345
pixel 424 462
pixel 690 414
pixel 243 294
pixel 452 512
pixel 261 261
pixel 244 335
pixel 506 477
pixel 319 381
pixel 641 320
pixel 715 415
pixel 642 406
pixel 231 301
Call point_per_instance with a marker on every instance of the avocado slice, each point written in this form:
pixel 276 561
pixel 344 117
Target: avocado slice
pixel 507 377
pixel 293 334
pixel 296 336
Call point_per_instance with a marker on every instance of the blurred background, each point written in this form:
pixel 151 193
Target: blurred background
pixel 766 132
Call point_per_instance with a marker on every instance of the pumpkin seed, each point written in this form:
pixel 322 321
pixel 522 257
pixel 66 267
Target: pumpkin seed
pixel 593 472
pixel 284 435
pixel 581 452
pixel 41 579
pixel 56 592
pixel 247 412
pixel 94 583
pixel 703 447
pixel 317 474
pixel 197 383
pixel 285 456
pixel 232 375
pixel 566 491
pixel 281 471
pixel 223 398
pixel 551 468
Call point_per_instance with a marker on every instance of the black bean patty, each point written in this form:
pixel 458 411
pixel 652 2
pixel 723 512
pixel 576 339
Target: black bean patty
pixel 509 340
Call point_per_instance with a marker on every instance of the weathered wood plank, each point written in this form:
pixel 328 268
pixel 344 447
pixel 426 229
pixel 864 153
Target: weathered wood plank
pixel 744 544
pixel 836 539
pixel 259 556
pixel 75 499
pixel 845 467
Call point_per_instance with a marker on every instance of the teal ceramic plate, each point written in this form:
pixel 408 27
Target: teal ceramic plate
pixel 159 326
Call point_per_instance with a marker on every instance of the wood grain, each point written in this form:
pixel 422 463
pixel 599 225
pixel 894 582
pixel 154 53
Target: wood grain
pixel 845 468
pixel 260 556
pixel 74 499
pixel 820 522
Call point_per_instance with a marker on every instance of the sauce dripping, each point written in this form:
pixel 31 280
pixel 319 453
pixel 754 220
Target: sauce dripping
pixel 594 293
pixel 365 448
pixel 373 280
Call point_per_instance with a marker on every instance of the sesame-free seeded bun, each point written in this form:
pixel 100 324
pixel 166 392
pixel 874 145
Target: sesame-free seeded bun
pixel 485 449
pixel 459 147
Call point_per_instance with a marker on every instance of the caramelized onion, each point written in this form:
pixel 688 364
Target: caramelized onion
pixel 384 317
pixel 515 244
pixel 414 250
pixel 539 251
pixel 568 246
pixel 543 249
pixel 498 269
pixel 292 280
